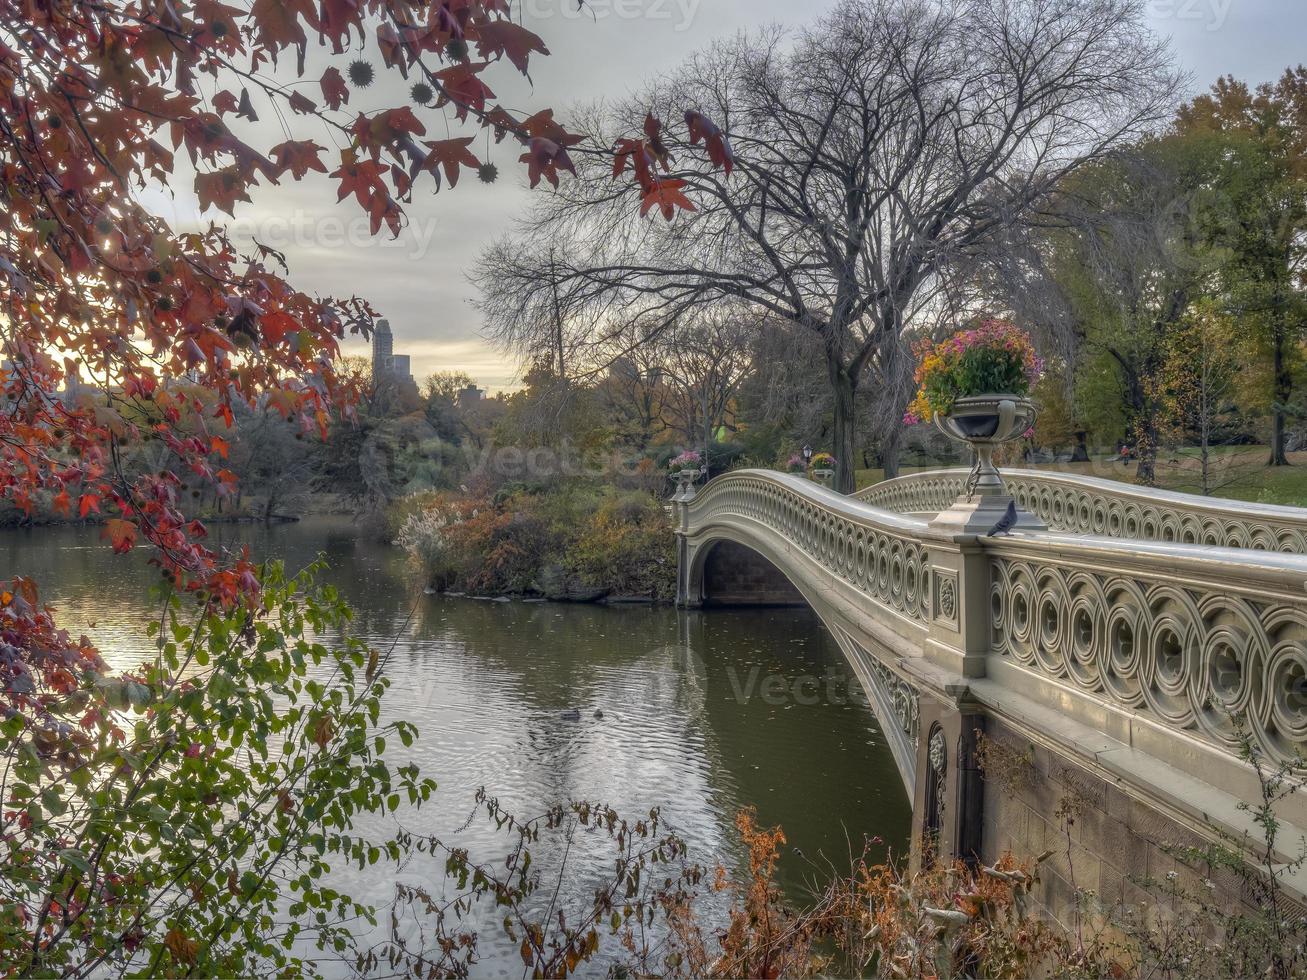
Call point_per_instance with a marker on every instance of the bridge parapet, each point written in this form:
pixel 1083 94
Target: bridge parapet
pixel 879 553
pixel 1088 505
pixel 1181 636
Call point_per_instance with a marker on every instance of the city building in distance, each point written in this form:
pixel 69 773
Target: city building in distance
pixel 389 368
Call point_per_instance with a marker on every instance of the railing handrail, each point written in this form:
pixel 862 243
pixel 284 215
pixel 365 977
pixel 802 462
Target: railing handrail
pixel 1208 564
pixel 1193 562
pixel 838 503
pixel 1145 496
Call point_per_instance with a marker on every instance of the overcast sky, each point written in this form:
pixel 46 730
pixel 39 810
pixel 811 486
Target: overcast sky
pixel 419 282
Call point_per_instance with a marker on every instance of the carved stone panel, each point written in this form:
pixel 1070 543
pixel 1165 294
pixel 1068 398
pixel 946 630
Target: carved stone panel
pixel 946 596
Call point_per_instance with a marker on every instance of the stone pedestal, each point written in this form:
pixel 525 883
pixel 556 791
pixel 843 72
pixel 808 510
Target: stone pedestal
pixel 980 514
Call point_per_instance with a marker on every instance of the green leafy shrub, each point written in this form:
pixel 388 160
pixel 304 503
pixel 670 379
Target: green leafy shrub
pixel 164 821
pixel 627 546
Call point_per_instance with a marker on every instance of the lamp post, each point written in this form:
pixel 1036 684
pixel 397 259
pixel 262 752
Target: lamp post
pixel 807 455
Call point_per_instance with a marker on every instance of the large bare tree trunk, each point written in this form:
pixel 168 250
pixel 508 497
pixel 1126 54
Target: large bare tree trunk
pixel 890 446
pixel 844 389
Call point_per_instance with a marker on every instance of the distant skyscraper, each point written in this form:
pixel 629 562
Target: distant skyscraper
pixel 387 366
pixel 383 349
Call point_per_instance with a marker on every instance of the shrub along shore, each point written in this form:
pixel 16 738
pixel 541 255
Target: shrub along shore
pixel 568 542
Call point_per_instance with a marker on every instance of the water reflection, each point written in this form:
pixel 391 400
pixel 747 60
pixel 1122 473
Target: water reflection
pixel 685 724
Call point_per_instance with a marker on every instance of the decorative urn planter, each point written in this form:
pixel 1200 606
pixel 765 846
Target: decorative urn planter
pixel 823 476
pixel 685 481
pixel 985 422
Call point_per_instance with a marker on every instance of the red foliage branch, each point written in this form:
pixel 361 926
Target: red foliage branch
pixel 115 328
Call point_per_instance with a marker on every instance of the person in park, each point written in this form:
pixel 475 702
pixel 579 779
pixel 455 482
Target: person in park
pixel 145 826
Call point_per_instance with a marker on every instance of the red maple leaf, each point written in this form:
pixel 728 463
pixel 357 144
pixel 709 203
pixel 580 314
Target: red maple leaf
pixel 224 103
pixel 667 195
pixel 544 158
pixel 451 155
pixel 504 38
pixel 362 178
pixel 120 534
pixel 276 325
pixel 642 161
pixel 299 157
pixel 462 85
pixel 719 149
pixel 221 189
pixel 334 90
pixel 89 502
pixel 653 132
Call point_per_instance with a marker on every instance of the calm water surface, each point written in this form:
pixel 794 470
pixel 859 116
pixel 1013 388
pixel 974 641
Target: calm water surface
pixel 691 723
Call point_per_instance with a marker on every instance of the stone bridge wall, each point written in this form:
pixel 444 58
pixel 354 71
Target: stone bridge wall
pixel 1117 664
pixel 734 575
pixel 1102 840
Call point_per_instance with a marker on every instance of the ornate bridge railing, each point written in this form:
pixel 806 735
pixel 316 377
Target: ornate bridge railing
pixel 1087 505
pixel 1188 638
pixel 1149 660
pixel 878 553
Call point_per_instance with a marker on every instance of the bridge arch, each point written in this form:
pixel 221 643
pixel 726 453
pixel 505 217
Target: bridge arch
pixel 893 699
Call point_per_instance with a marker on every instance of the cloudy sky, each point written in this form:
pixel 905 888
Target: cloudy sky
pixel 419 282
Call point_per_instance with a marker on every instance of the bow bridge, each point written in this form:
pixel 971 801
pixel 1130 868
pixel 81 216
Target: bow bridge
pixel 1114 658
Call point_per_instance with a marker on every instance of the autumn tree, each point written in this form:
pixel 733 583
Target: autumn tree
pixel 1114 267
pixel 1201 360
pixel 1264 222
pixel 869 149
pixel 145 824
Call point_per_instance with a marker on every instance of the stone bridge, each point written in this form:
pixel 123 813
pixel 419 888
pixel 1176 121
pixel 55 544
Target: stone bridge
pixel 1119 661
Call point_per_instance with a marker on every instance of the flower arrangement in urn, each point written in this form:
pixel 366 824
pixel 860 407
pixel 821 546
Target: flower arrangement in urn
pixel 685 469
pixel 823 462
pixel 974 386
pixel 994 358
pixel 797 464
pixel 686 461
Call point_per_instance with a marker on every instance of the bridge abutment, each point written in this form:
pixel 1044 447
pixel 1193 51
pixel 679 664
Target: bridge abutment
pixel 948 808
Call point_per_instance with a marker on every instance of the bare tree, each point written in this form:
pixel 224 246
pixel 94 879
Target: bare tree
pixel 873 147
pixel 633 392
pixel 705 360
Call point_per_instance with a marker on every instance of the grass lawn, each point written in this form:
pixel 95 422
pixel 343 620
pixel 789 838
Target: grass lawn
pixel 1237 473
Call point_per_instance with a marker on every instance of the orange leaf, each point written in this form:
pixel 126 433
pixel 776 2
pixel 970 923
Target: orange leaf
pixel 121 535
pixel 89 502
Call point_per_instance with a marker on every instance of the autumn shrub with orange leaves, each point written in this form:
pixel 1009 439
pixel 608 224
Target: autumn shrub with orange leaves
pixel 567 539
pixel 877 919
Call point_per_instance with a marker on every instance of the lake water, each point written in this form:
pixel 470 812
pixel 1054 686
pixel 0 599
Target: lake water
pixel 703 712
